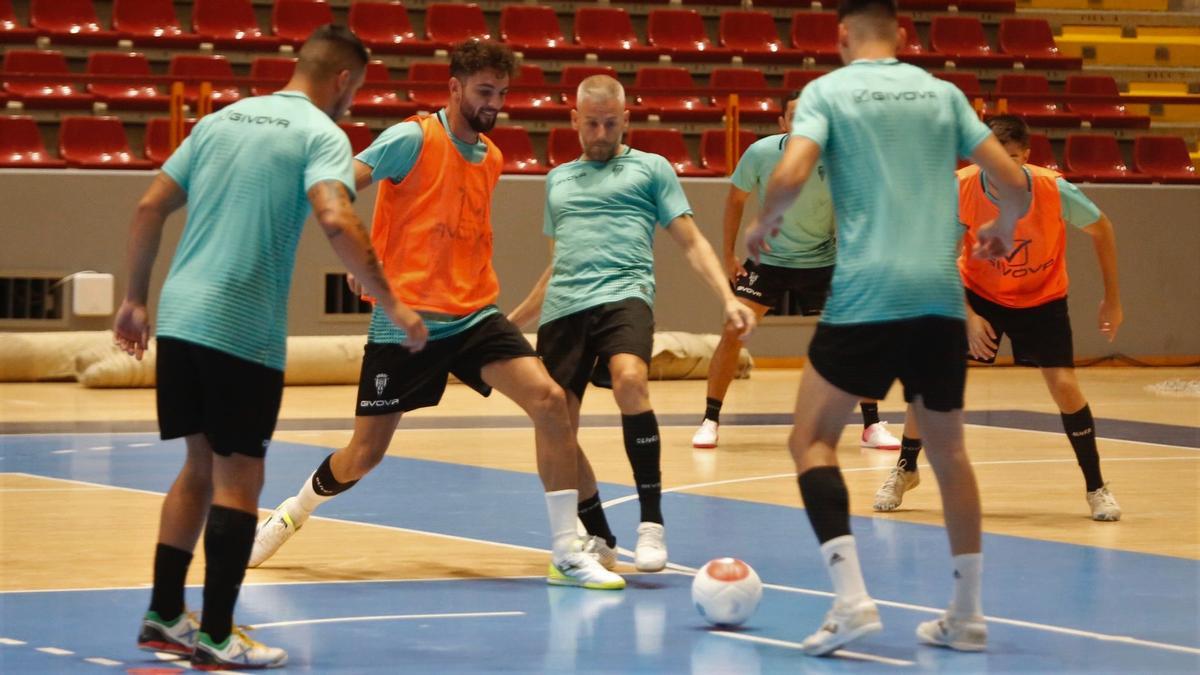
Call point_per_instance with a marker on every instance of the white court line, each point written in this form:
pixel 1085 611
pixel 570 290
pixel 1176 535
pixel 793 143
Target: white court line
pixel 102 661
pixel 62 452
pixel 73 489
pixel 320 582
pixel 10 641
pixel 844 653
pixel 55 651
pixel 387 617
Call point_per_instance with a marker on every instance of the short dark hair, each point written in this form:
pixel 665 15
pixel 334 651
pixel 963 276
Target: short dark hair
pixel 789 97
pixel 1010 129
pixel 331 49
pixel 885 9
pixel 474 56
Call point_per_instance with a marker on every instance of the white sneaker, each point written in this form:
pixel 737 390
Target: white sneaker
pixel 706 435
pixel 878 437
pixel 843 624
pixel 965 635
pixel 175 637
pixel 273 532
pixel 238 651
pixel 601 551
pixel 891 493
pixel 1104 504
pixel 650 554
pixel 578 568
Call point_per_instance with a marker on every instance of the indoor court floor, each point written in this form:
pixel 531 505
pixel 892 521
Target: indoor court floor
pixel 435 563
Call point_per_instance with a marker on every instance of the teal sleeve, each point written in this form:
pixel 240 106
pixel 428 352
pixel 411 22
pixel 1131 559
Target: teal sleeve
pixel 394 153
pixel 746 176
pixel 810 120
pixel 668 192
pixel 1077 209
pixel 971 131
pixel 548 218
pixel 179 165
pixel 330 158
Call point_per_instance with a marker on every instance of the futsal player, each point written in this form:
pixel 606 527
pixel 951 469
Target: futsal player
pixel 595 300
pixel 433 229
pixel 889 134
pixel 248 176
pixel 800 263
pixel 1024 296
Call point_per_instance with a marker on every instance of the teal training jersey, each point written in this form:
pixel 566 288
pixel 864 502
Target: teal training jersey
pixel 601 216
pixel 890 135
pixel 1077 209
pixel 391 157
pixel 806 239
pixel 247 170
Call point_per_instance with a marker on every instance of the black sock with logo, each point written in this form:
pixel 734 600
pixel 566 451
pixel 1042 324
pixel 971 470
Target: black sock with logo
pixel 325 484
pixel 870 413
pixel 591 514
pixel 910 448
pixel 712 409
pixel 644 449
pixel 1081 431
pixel 228 539
pixel 826 501
pixel 170 573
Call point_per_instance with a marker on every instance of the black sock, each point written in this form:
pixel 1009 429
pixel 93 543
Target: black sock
pixel 909 449
pixel 170 573
pixel 592 515
pixel 325 484
pixel 826 501
pixel 870 413
pixel 228 539
pixel 712 409
pixel 1081 431
pixel 644 450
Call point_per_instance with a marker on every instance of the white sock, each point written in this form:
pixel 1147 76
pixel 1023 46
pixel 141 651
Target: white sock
pixel 562 508
pixel 841 560
pixel 968 585
pixel 307 501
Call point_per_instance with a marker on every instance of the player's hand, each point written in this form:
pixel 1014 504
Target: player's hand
pixel 757 235
pixel 733 267
pixel 981 338
pixel 416 333
pixel 355 287
pixel 992 241
pixel 740 317
pixel 1111 317
pixel 131 329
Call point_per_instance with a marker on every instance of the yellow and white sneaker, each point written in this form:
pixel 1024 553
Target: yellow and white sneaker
pixel 579 568
pixel 273 532
pixel 237 651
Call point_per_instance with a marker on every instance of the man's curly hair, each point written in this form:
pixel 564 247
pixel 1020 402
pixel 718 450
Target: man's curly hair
pixel 474 56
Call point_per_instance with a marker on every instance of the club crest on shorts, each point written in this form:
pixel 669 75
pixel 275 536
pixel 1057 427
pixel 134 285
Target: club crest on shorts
pixel 753 278
pixel 381 381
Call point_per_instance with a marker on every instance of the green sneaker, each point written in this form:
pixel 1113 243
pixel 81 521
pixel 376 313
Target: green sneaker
pixel 237 651
pixel 177 636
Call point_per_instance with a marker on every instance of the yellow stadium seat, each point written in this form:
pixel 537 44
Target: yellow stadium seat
pixel 1136 5
pixel 1163 112
pixel 1104 45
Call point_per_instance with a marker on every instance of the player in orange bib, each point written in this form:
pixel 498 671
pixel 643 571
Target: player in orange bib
pixel 1024 296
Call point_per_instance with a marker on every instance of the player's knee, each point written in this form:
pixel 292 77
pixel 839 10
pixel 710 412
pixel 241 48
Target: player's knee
pixel 630 384
pixel 549 403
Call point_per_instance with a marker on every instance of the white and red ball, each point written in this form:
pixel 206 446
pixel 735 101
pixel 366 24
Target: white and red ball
pixel 726 591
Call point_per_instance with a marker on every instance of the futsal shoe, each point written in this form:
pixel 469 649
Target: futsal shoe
pixel 1104 504
pixel 601 551
pixel 577 568
pixel 963 634
pixel 891 493
pixel 650 554
pixel 706 435
pixel 273 532
pixel 878 437
pixel 238 651
pixel 173 637
pixel 843 624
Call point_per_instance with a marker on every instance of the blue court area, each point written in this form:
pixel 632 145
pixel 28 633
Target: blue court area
pixel 1052 607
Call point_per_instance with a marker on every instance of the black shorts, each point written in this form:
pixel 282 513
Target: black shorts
pixel 394 379
pixel 766 284
pixel 233 402
pixel 576 348
pixel 1040 336
pixel 927 355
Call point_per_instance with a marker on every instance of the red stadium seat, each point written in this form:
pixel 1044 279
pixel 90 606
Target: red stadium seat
pixel 814 34
pixel 668 143
pixel 961 39
pixel 1106 115
pixel 563 146
pixel 924 5
pixel 157 139
pixel 968 83
pixel 534 31
pixel 1096 157
pixel 386 28
pixel 1032 43
pixel 912 50
pixel 534 105
pixel 152 23
pixel 278 68
pixel 359 134
pixel 97 143
pixel 430 99
pixel 1037 112
pixel 128 95
pixel 572 75
pixel 517 148
pixel 680 106
pixel 21 145
pixel 681 33
pixel 11 31
pixel 753 36
pixel 230 24
pixel 1165 158
pixel 608 33
pixel 754 107
pixel 214 66
pixel 55 95
pixel 796 80
pixel 378 97
pixel 990 6
pixel 292 21
pixel 1042 154
pixel 712 150
pixel 451 24
pixel 70 22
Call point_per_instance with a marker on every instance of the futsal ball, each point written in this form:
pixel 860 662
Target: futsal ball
pixel 726 591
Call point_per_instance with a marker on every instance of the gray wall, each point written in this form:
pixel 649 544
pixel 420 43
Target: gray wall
pixel 64 221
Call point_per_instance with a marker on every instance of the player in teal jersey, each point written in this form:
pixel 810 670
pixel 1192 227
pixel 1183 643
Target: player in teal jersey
pixel 595 299
pixel 800 264
pixel 889 135
pixel 249 176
